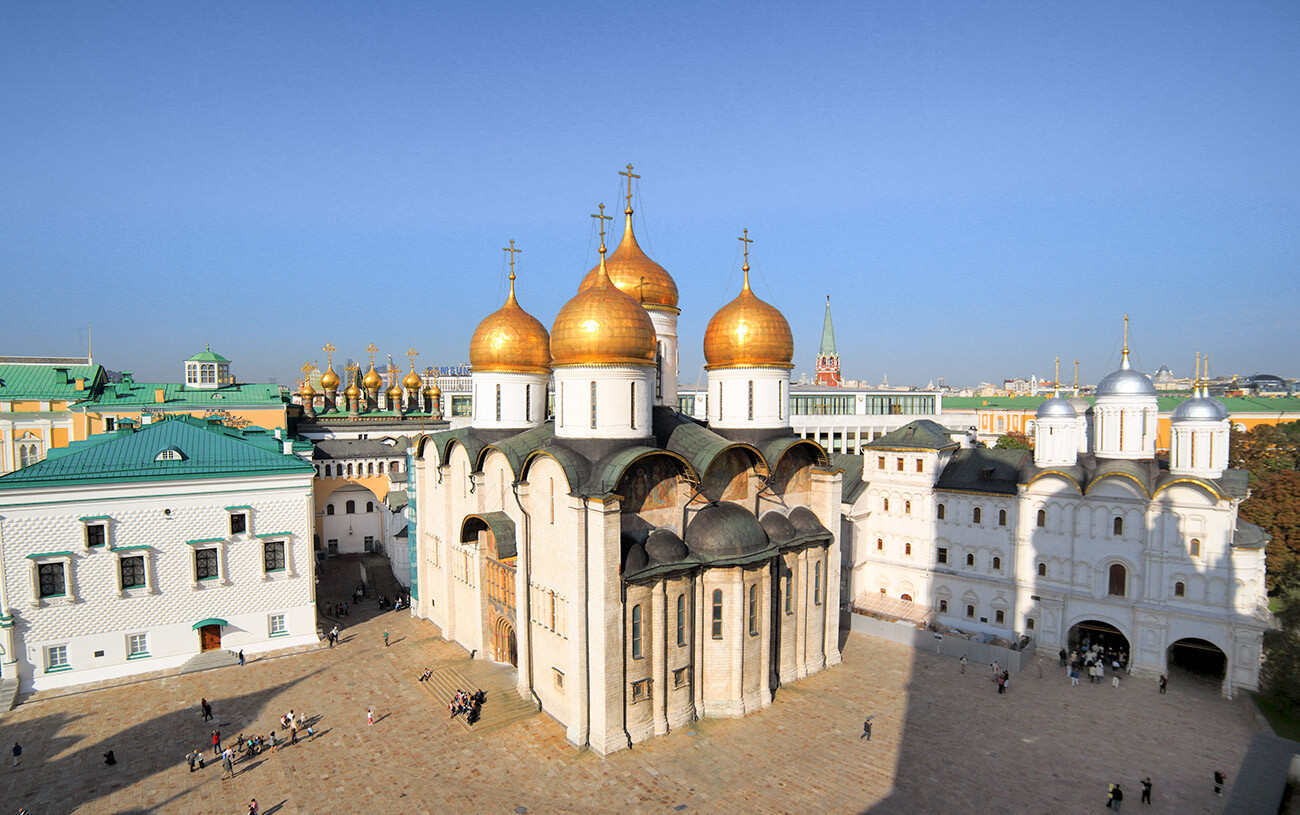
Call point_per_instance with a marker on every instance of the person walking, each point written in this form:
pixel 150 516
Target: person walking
pixel 1146 790
pixel 206 709
pixel 1219 780
pixel 866 731
pixel 963 663
pixel 1114 680
pixel 1164 683
pixel 241 658
pixel 252 808
pixel 370 715
pixel 18 752
pixel 385 639
pixel 293 734
pixel 1062 654
pixel 216 742
pixel 1074 677
pixel 1117 798
pixel 275 745
pixel 227 765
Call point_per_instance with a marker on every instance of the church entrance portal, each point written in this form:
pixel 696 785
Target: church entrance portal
pixel 1096 632
pixel 505 647
pixel 1198 657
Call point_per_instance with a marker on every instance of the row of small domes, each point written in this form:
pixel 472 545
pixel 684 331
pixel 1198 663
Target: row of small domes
pixel 607 323
pixel 372 381
pixel 1128 381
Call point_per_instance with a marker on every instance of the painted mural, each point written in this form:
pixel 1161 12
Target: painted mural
pixel 794 473
pixel 727 479
pixel 649 484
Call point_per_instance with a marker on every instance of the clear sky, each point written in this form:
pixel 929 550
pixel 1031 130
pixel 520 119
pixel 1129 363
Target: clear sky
pixel 978 186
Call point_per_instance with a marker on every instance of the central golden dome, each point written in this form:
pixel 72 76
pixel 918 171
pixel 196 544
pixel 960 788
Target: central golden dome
pixel 510 340
pixel 748 333
pixel 329 381
pixel 635 274
pixel 412 382
pixel 373 380
pixel 601 325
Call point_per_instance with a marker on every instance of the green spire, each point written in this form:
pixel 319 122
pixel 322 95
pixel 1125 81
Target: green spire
pixel 828 334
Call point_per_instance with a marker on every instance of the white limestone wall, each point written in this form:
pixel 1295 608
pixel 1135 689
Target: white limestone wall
pixel 1125 427
pixel 96 615
pixel 619 414
pixel 665 323
pixel 522 400
pixel 1056 442
pixel 731 405
pixel 1199 448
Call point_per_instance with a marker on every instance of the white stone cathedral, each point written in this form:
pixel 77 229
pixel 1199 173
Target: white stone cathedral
pixel 1089 535
pixel 640 568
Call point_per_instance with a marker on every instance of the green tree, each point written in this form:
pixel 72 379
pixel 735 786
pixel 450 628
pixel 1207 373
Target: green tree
pixel 1274 505
pixel 1265 449
pixel 1013 441
pixel 1281 669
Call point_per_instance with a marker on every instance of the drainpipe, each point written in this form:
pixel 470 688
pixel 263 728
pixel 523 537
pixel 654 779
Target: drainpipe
pixel 528 582
pixel 623 647
pixel 586 629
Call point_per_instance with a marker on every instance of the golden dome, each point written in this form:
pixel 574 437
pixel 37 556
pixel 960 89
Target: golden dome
pixel 373 380
pixel 353 391
pixel 636 274
pixel 748 333
pixel 510 340
pixel 412 382
pixel 395 392
pixel 305 390
pixel 601 325
pixel 329 380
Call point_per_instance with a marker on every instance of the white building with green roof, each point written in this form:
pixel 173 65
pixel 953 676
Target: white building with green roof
pixel 137 550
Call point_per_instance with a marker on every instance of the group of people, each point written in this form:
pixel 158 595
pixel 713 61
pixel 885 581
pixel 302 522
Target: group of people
pixel 250 745
pixel 338 609
pixel 1093 661
pixel 333 636
pixel 397 605
pixel 1000 675
pixel 471 704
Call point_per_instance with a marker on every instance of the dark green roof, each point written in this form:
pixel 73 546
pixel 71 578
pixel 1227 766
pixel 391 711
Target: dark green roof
pixel 853 467
pixel 983 469
pixel 48 381
pixel 1249 536
pixel 207 355
pixel 503 531
pixel 921 434
pixel 128 454
pixel 138 395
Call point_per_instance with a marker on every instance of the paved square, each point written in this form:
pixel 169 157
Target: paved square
pixel 942 742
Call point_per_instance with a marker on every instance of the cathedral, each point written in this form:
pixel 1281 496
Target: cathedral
pixel 640 568
pixel 1088 537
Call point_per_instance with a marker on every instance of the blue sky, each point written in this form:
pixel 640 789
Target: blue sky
pixel 979 187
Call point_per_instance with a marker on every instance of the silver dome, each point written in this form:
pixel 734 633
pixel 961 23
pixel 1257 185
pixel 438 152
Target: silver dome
pixel 1201 408
pixel 1056 408
pixel 1125 382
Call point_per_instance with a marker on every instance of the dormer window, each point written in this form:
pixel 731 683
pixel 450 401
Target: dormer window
pixel 170 454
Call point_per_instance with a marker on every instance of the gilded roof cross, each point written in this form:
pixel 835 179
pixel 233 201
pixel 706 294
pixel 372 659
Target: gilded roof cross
pixel 329 350
pixel 601 219
pixel 411 355
pixel 513 251
pixel 307 368
pixel 745 241
pixel 630 175
pixel 372 348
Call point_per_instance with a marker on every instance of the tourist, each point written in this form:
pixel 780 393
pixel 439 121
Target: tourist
pixel 227 765
pixel 1146 790
pixel 241 658
pixel 109 758
pixel 963 663
pixel 1117 797
pixel 370 716
pixel 1074 676
pixel 206 708
pixel 1114 680
pixel 1164 683
pixel 385 639
pixel 216 742
pixel 866 731
pixel 18 751
pixel 252 807
pixel 1063 655
pixel 275 745
pixel 1219 780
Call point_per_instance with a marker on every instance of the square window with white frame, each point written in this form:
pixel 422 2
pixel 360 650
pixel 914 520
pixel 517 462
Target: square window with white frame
pixel 273 556
pixel 238 523
pixel 96 535
pixel 137 645
pixel 277 625
pixel 205 564
pixel 56 658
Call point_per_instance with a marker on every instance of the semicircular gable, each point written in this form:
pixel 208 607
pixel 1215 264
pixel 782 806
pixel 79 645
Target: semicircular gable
pixel 1187 484
pixel 1055 477
pixel 727 475
pixel 609 471
pixel 1135 487
pixel 573 466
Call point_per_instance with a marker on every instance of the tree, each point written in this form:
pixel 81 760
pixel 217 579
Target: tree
pixel 1013 441
pixel 1274 505
pixel 1281 669
pixel 1265 449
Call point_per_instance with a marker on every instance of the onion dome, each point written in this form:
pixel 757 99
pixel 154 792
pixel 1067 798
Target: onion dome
pixel 635 274
pixel 748 333
pixel 510 340
pixel 412 382
pixel 395 392
pixel 373 380
pixel 305 390
pixel 329 380
pixel 354 390
pixel 601 325
pixel 1202 409
pixel 1056 408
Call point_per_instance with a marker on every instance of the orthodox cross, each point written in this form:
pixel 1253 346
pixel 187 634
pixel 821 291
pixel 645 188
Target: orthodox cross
pixel 1125 335
pixel 411 355
pixel 745 241
pixel 306 369
pixel 372 349
pixel 329 350
pixel 513 251
pixel 630 175
pixel 601 219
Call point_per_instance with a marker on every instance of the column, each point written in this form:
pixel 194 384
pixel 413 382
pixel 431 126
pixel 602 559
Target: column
pixel 658 631
pixel 765 638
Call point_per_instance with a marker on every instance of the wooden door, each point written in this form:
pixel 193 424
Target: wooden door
pixel 514 649
pixel 209 638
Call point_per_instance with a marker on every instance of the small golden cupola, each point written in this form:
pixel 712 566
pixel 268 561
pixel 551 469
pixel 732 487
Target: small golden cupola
pixel 747 332
pixel 510 340
pixel 431 388
pixel 602 325
pixel 373 381
pixel 354 390
pixel 412 382
pixel 395 389
pixel 329 381
pixel 632 271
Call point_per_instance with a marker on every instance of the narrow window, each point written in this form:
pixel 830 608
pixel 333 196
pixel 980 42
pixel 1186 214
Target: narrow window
pixel 351 507
pixel 552 500
pixel 943 554
pixel 943 606
pixel 329 509
pixel 975 515
pixel 659 370
pixel 681 620
pixel 1180 590
pixel 633 386
pixel 970 560
pixel 717 614
pixel 132 569
pixel 528 403
pixel 941 511
pixel 970 612
pixel 370 506
pixel 51 579
pixel 907 548
pixel 920 465
pixel 880 462
pixel 1002 517
pixel 751 400
pixel 753 610
pixel 1196 547
pixel 1118 526
pixel 900 464
pixel 907 507
pixel 328 474
pixel 789 591
pixel 817 583
pixel 593 405
pixel 1042 517
pixel 1029 623
pixel 780 400
pixel 636 632
pixel 1118 579
pixel 885 505
pixel 880 544
pixel 561 404
pixel 999 616
pixel 1042 570
pixel 997 564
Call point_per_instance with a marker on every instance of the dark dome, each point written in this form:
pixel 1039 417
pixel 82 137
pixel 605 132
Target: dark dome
pixel 778 527
pixel 725 530
pixel 806 523
pixel 664 546
pixel 635 559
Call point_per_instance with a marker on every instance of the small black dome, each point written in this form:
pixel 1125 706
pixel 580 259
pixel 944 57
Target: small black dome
pixel 778 526
pixel 806 523
pixel 725 530
pixel 665 547
pixel 635 559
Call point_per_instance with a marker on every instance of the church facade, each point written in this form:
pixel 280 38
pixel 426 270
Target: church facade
pixel 641 568
pixel 1088 535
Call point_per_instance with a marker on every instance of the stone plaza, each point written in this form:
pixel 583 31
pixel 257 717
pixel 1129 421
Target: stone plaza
pixel 942 741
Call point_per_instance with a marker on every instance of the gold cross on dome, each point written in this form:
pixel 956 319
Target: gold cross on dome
pixel 513 251
pixel 307 368
pixel 601 219
pixel 372 348
pixel 411 355
pixel 329 350
pixel 745 241
pixel 630 175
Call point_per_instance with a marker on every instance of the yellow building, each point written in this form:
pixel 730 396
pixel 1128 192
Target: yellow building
pixel 36 398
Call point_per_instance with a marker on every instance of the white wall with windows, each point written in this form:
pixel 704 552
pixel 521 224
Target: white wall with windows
pixel 105 581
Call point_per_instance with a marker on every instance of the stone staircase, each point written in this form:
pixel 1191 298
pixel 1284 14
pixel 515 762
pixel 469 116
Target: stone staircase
pixel 207 660
pixel 503 705
pixel 378 577
pixel 8 694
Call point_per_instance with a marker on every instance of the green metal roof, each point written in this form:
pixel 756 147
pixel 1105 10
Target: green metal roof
pixel 207 355
pixel 828 334
pixel 921 434
pixel 982 469
pixel 48 381
pixel 209 621
pixel 128 454
pixel 135 395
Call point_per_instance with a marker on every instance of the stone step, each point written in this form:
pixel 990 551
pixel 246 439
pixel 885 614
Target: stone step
pixel 208 660
pixel 502 706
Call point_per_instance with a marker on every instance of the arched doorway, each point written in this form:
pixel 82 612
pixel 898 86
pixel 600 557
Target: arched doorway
pixel 505 647
pixel 1197 657
pixel 1087 633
